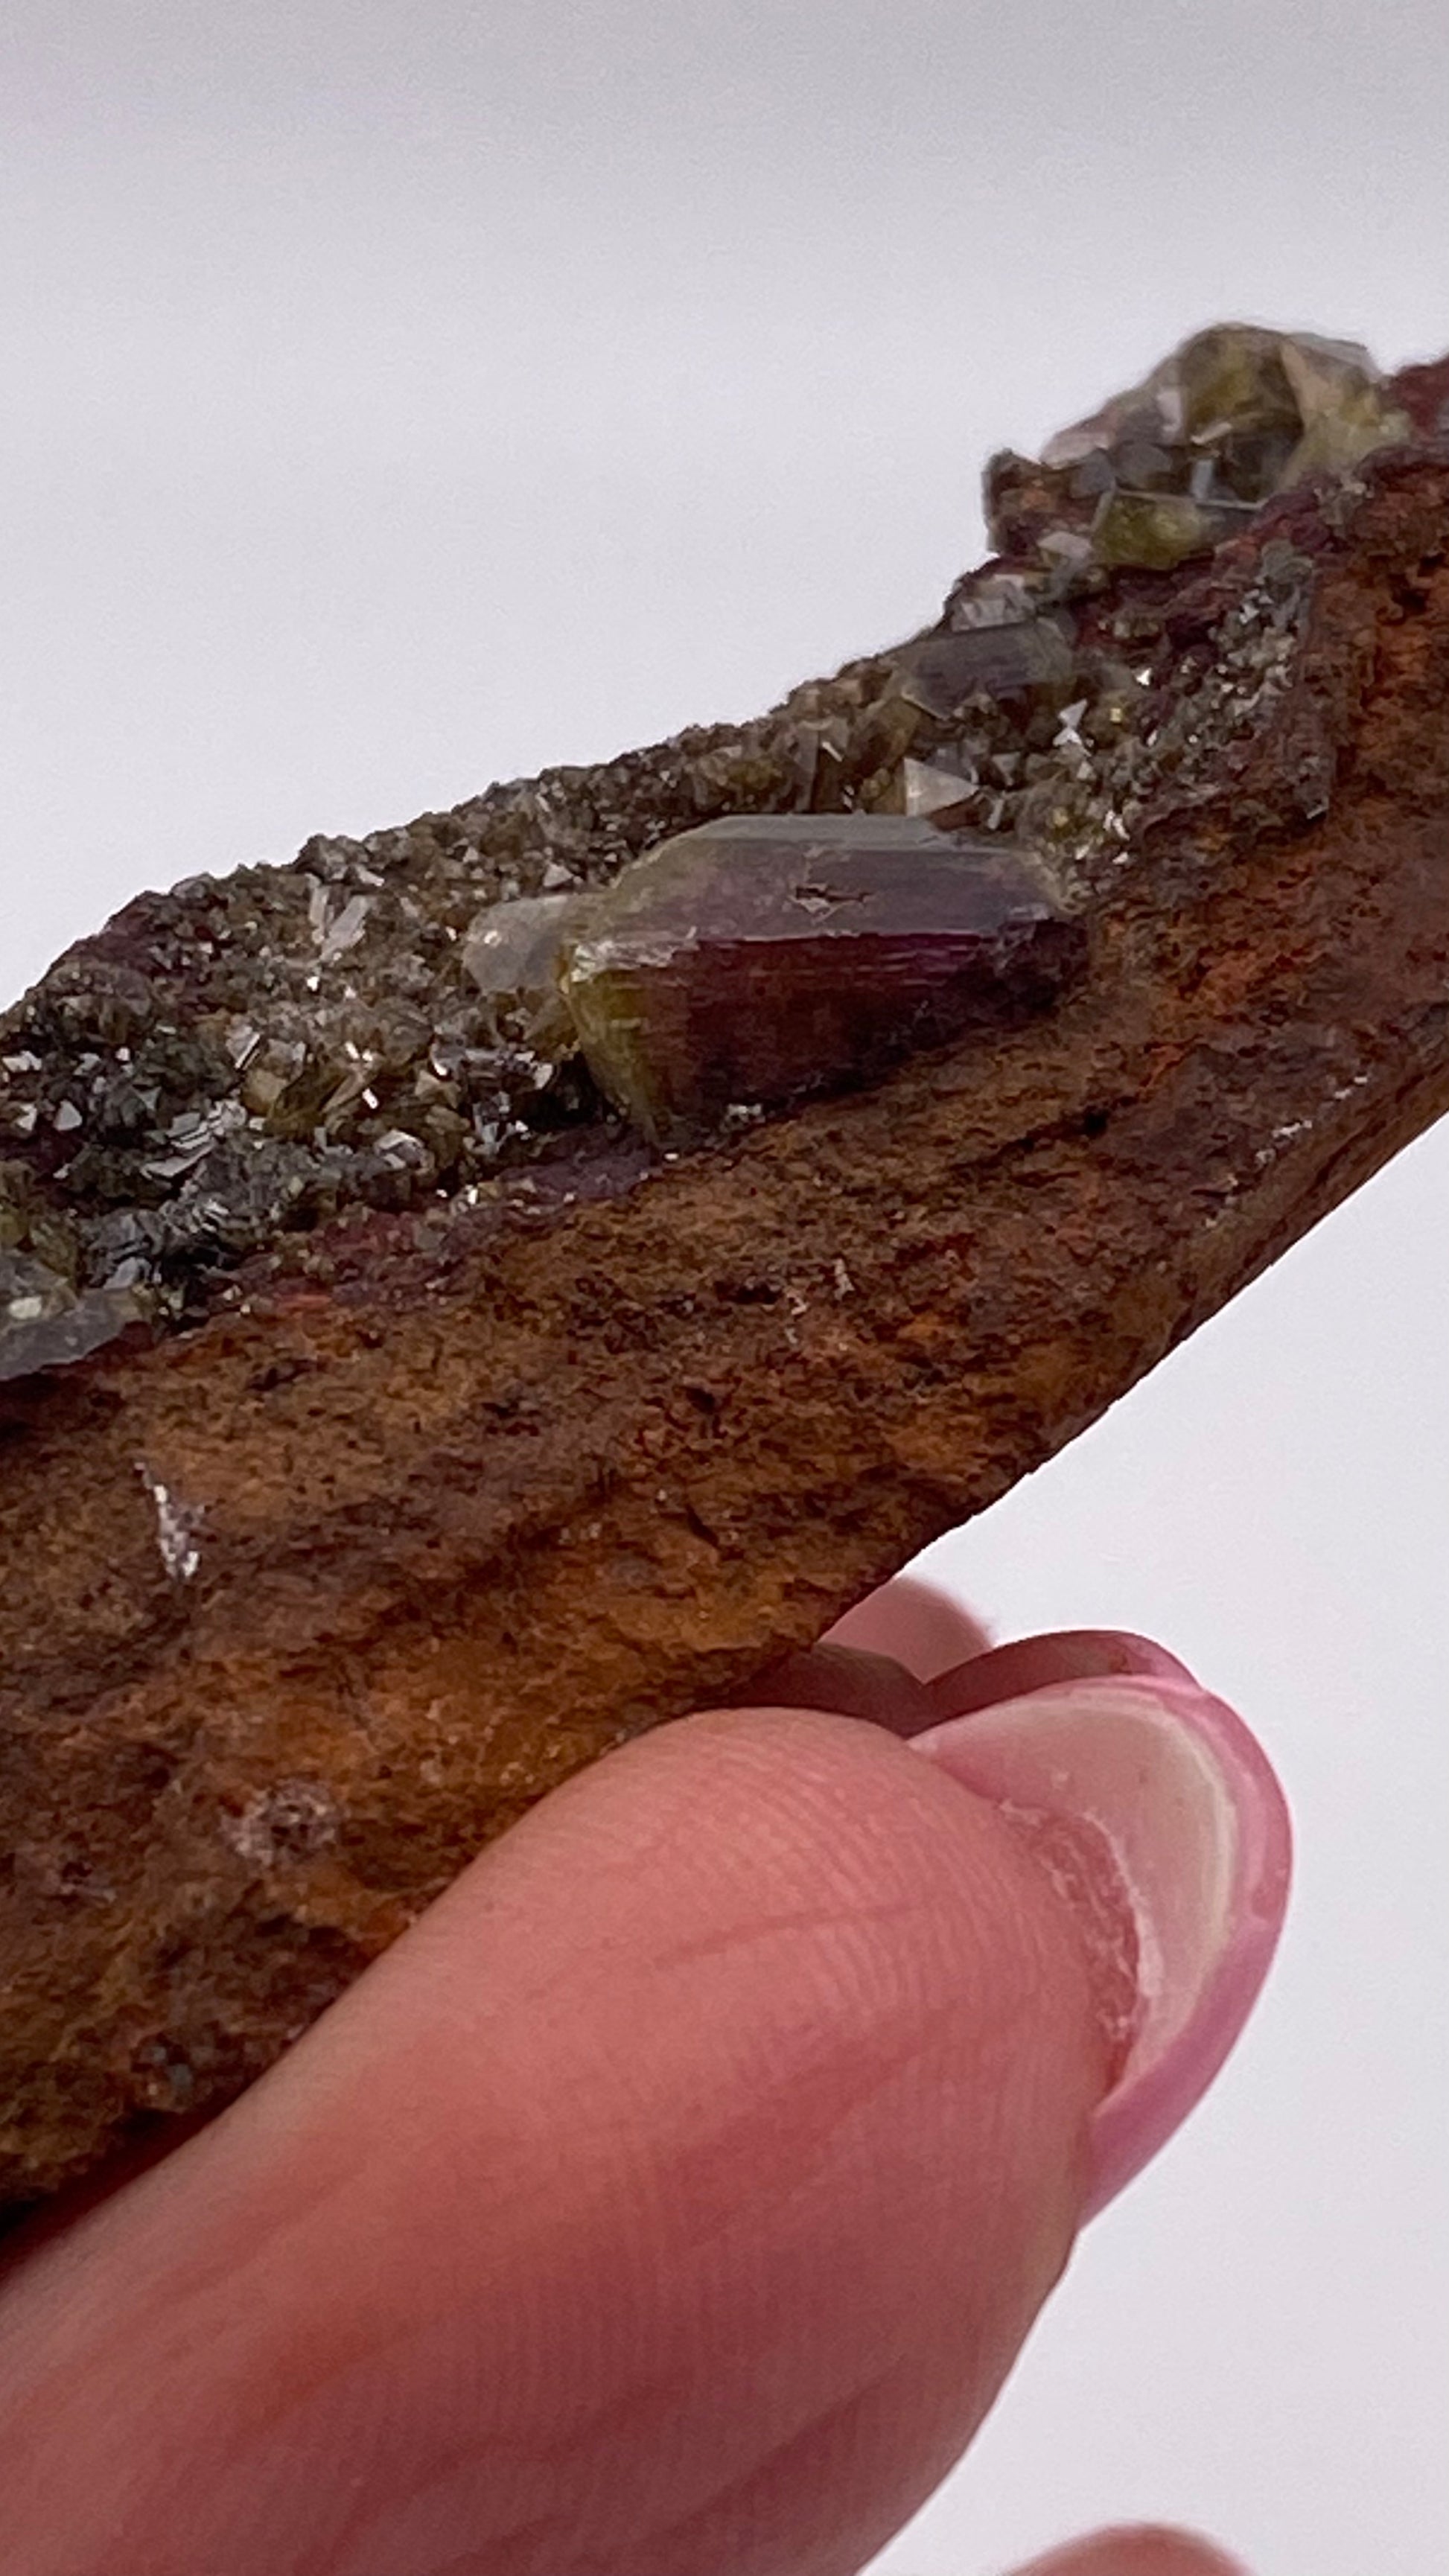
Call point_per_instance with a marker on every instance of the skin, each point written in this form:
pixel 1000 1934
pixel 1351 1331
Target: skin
pixel 671 2201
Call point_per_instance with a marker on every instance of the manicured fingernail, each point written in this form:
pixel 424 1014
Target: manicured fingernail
pixel 1160 1822
pixel 1066 1655
pixel 853 1682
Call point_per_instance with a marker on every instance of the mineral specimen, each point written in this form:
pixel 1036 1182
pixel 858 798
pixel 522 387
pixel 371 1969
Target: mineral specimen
pixel 449 1431
pixel 761 959
pixel 228 1071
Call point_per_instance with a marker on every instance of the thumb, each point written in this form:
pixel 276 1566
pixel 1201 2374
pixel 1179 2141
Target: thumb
pixel 677 2193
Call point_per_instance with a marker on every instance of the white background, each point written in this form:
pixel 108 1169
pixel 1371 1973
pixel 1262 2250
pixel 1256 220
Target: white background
pixel 400 397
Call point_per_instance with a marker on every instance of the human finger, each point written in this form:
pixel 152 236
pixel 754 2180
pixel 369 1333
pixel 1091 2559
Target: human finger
pixel 959 1749
pixel 918 1625
pixel 676 2193
pixel 1137 2549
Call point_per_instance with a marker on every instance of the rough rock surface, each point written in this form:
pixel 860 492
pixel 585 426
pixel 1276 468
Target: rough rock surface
pixel 330 1546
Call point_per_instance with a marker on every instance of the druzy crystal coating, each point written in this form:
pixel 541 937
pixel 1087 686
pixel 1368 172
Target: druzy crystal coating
pixel 767 957
pixel 240 1076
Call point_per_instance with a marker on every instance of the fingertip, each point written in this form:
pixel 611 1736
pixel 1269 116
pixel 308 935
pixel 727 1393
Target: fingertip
pixel 748 2078
pixel 914 1622
pixel 1161 1825
pixel 1137 2549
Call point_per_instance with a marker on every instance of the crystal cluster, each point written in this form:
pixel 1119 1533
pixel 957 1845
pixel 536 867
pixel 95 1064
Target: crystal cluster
pixel 241 1069
pixel 1169 469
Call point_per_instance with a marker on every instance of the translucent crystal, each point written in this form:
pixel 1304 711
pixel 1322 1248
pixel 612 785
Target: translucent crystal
pixel 1231 378
pixel 1028 658
pixel 44 1324
pixel 927 789
pixel 512 953
pixel 30 1291
pixel 1155 530
pixel 765 957
pixel 1340 404
pixel 993 599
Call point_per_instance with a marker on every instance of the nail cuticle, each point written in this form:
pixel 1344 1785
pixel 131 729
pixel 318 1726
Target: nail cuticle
pixel 1159 1822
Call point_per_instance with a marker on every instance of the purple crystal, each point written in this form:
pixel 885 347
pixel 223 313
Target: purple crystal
pixel 765 957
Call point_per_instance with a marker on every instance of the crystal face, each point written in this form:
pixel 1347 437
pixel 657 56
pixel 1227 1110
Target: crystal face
pixel 767 957
pixel 1024 659
pixel 44 1324
pixel 512 954
pixel 1157 530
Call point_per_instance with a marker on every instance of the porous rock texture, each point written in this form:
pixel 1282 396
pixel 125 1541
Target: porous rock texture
pixel 308 1597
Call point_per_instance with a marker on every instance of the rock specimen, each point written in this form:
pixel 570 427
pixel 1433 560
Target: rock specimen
pixel 390 1425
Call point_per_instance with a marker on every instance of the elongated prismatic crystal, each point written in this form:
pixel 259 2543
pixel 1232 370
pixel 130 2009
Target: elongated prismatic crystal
pixel 766 957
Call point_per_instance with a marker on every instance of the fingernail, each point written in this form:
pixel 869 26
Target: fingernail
pixel 850 1682
pixel 1160 1822
pixel 1066 1655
